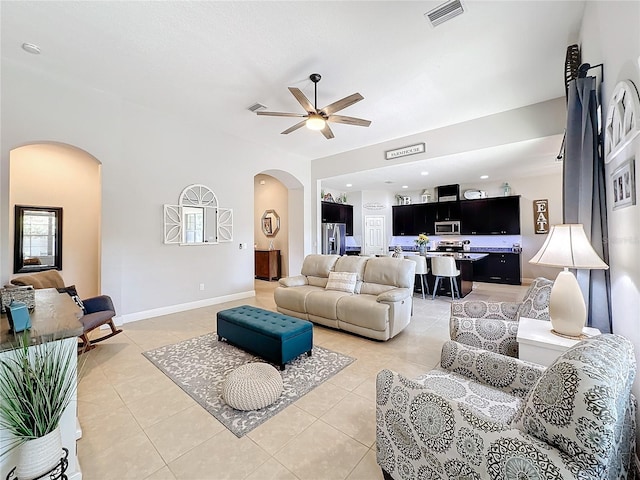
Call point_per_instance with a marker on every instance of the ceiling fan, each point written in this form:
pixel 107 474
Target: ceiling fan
pixel 318 118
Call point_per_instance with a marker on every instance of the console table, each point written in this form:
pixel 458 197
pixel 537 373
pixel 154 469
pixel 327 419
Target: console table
pixel 54 319
pixel 537 344
pixel 267 264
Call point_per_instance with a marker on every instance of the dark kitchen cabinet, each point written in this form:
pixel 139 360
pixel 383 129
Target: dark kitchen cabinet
pixel 490 216
pixel 446 211
pixel 347 216
pixel 424 217
pixel 498 268
pixel 403 220
pixel 338 213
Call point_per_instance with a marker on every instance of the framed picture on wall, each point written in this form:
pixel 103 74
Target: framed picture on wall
pixel 623 182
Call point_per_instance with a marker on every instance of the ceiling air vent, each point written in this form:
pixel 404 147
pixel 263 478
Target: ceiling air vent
pixel 445 12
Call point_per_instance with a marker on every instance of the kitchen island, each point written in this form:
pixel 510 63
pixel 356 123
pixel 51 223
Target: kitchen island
pixel 54 319
pixel 464 263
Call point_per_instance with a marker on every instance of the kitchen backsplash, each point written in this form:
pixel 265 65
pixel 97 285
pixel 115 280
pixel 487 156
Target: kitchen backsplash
pixel 497 241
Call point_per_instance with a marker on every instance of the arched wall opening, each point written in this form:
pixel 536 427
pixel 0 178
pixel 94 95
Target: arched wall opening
pixel 61 175
pixel 282 192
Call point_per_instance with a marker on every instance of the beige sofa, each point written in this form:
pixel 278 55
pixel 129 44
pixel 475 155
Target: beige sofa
pixel 381 303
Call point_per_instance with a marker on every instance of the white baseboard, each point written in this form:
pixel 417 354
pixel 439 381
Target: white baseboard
pixel 157 312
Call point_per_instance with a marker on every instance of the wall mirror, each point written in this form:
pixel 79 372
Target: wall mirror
pixel 270 223
pixel 38 239
pixel 197 219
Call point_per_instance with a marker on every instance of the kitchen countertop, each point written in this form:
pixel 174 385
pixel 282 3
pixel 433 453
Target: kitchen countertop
pixel 56 316
pixel 462 256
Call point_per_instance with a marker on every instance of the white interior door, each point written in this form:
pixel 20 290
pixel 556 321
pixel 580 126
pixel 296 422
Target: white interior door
pixel 374 235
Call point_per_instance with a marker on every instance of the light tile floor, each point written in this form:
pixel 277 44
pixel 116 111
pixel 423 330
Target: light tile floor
pixel 137 424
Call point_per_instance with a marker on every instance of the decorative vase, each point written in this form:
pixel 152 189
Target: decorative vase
pixel 422 249
pixel 38 456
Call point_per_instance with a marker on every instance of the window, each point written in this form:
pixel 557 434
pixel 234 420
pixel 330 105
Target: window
pixel 38 239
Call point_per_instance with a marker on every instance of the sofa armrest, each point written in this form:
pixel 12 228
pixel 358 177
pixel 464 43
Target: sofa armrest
pixel 394 295
pixel 491 334
pixel 419 433
pixel 296 281
pixel 482 309
pixel 509 374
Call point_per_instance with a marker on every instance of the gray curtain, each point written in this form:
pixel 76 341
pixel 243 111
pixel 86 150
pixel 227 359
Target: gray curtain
pixel 584 195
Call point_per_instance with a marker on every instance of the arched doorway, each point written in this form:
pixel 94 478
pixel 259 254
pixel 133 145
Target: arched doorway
pixel 61 175
pixel 280 191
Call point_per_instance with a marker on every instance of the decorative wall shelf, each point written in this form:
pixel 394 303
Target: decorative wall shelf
pixel 197 219
pixel 623 119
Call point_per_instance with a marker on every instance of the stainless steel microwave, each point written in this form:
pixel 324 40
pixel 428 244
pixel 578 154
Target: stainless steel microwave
pixel 447 228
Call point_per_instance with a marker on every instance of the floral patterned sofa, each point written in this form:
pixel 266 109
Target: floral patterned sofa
pixel 483 415
pixel 493 326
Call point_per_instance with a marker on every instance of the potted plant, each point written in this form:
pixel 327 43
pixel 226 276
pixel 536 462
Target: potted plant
pixel 37 383
pixel 422 241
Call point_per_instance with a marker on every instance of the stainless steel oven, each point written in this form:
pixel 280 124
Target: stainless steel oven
pixel 447 228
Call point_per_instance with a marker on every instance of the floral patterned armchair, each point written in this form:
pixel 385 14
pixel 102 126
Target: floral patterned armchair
pixel 493 326
pixel 482 415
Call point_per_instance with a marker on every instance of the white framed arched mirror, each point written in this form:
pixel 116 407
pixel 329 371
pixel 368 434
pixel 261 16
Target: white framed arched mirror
pixel 197 219
pixel 270 223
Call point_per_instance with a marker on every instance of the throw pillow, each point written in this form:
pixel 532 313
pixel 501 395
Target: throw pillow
pixel 342 281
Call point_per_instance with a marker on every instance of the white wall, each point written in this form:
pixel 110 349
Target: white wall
pixel 610 36
pixel 39 176
pixel 147 158
pixel 272 195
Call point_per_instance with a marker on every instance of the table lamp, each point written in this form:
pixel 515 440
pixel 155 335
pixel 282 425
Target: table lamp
pixel 567 246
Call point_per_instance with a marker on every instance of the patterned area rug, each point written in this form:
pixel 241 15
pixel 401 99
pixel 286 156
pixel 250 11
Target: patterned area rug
pixel 200 365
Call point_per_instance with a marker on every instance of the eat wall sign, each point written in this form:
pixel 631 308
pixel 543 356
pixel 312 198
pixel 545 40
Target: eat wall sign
pixel 541 216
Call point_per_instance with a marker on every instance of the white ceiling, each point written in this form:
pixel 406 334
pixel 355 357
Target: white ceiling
pixel 210 61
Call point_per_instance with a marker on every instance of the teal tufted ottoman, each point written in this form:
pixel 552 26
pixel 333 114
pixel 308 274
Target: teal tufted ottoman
pixel 275 337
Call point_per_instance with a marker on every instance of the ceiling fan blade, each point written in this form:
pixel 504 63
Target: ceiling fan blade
pixel 304 101
pixel 340 104
pixel 281 114
pixel 349 120
pixel 326 131
pixel 295 127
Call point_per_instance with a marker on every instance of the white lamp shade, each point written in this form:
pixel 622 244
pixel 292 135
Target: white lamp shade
pixel 567 246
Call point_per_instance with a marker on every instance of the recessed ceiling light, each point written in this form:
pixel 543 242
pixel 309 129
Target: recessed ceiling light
pixel 424 173
pixel 349 185
pixel 484 177
pixel 388 181
pixel 405 186
pixel 31 48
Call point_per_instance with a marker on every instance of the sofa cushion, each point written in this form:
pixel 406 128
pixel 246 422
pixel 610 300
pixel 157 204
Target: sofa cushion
pixel 352 263
pixel 317 281
pixel 488 401
pixel 342 281
pixel 316 265
pixel 294 299
pixel 535 303
pixel 579 403
pixel 390 271
pixel 364 311
pixel 323 303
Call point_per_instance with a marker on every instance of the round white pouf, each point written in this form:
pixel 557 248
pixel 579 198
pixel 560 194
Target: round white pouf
pixel 252 386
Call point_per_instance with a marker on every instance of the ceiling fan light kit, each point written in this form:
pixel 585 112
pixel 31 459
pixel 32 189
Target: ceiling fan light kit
pixel 315 122
pixel 319 118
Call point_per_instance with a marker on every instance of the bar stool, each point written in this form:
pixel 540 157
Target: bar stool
pixel 421 271
pixel 441 267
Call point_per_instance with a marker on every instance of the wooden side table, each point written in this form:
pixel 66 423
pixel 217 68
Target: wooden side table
pixel 267 264
pixel 537 344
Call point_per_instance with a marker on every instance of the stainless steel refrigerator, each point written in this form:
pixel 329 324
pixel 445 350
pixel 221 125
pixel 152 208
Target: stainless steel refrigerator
pixel 333 238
